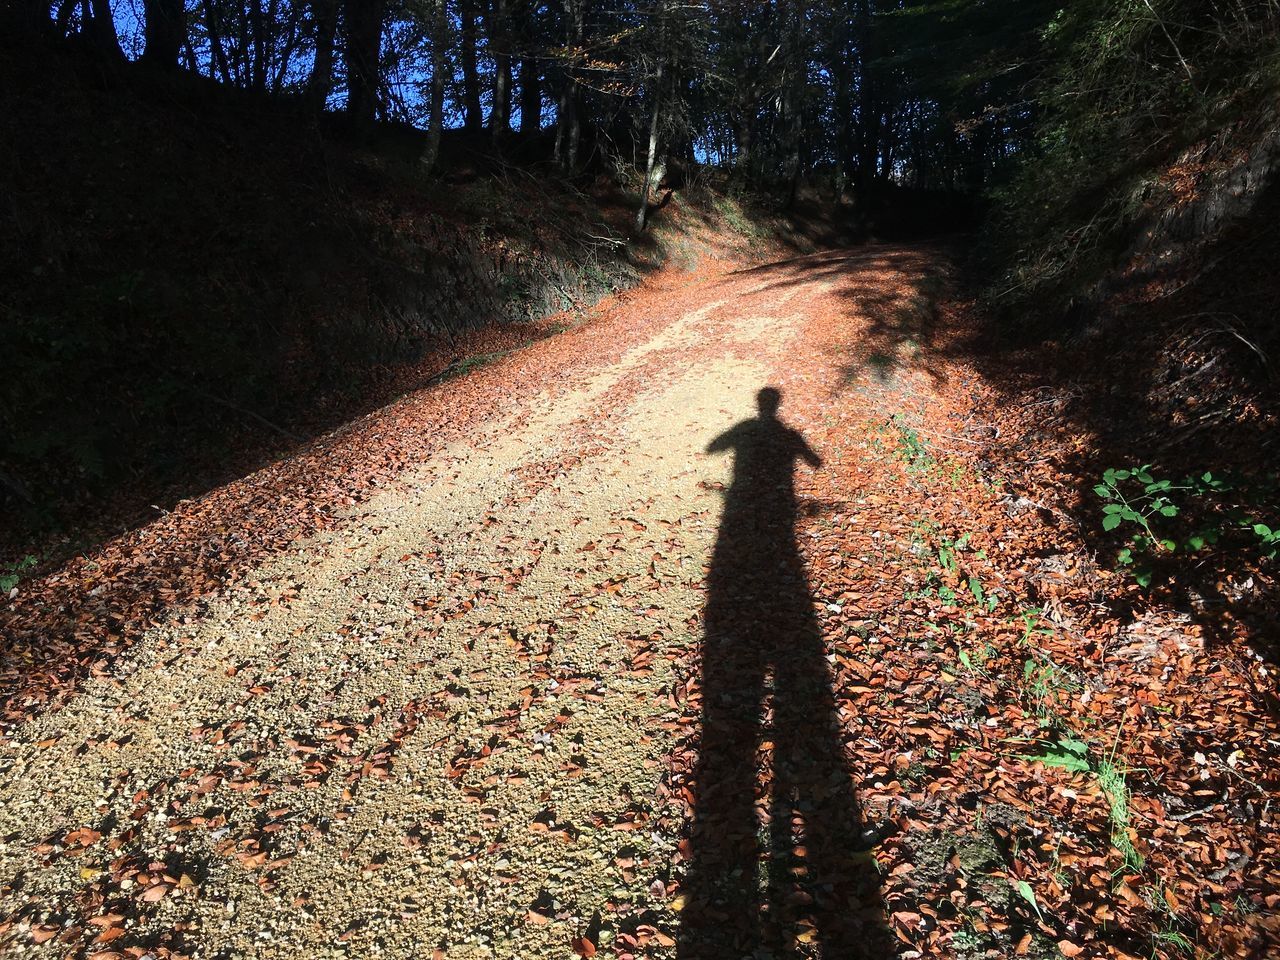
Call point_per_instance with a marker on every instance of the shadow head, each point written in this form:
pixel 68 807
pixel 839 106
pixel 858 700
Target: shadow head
pixel 768 401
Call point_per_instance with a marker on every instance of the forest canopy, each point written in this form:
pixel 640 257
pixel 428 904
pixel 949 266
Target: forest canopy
pixel 937 94
pixel 924 93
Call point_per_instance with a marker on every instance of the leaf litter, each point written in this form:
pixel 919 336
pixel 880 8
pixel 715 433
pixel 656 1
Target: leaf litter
pixel 434 686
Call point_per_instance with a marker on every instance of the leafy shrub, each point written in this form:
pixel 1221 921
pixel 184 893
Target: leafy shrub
pixel 1163 518
pixel 13 573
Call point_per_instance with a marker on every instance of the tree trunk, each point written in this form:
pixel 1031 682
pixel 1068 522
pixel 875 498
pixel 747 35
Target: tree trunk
pixel 32 17
pixel 868 103
pixel 884 143
pixel 364 44
pixel 530 96
pixel 325 14
pixel 500 44
pixel 574 146
pixel 291 36
pixel 642 215
pixel 99 29
pixel 568 121
pixel 743 136
pixel 793 105
pixel 562 108
pixel 164 31
pixel 258 38
pixel 841 69
pixel 62 19
pixel 439 65
pixel 473 113
pixel 217 54
pixel 794 166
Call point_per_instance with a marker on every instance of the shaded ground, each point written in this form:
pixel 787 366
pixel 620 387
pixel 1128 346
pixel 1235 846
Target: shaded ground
pixel 598 649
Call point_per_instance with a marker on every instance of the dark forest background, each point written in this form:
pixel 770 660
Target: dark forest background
pixel 1043 107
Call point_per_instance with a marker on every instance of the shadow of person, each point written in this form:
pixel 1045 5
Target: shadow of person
pixel 778 866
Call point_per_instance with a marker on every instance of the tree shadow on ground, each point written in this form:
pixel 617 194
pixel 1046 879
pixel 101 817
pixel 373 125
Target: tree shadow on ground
pixel 780 861
pixel 895 293
pixel 1174 370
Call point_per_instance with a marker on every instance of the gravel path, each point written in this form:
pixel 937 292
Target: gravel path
pixel 442 727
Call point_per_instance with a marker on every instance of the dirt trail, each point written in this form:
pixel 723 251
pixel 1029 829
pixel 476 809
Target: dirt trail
pixel 464 720
pixel 444 727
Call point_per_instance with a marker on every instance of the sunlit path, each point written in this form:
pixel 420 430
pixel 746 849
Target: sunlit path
pixel 449 721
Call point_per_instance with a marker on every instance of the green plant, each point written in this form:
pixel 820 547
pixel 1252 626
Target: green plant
pixel 1155 517
pixel 1140 510
pixel 1060 875
pixel 976 661
pixel 911 446
pixel 1024 890
pixel 735 217
pixel 1044 683
pixel 1072 754
pixel 465 365
pixel 13 573
pixel 1031 620
pixel 1068 753
pixel 947 550
pixel 1112 781
pixel 1170 936
pixel 966 939
pixel 987 601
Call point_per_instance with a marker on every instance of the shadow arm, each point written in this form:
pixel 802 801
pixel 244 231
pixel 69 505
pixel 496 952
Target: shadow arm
pixel 807 453
pixel 726 441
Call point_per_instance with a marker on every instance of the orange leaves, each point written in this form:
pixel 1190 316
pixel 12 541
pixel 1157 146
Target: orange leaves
pixel 251 859
pixel 81 838
pixel 43 933
pixel 155 893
